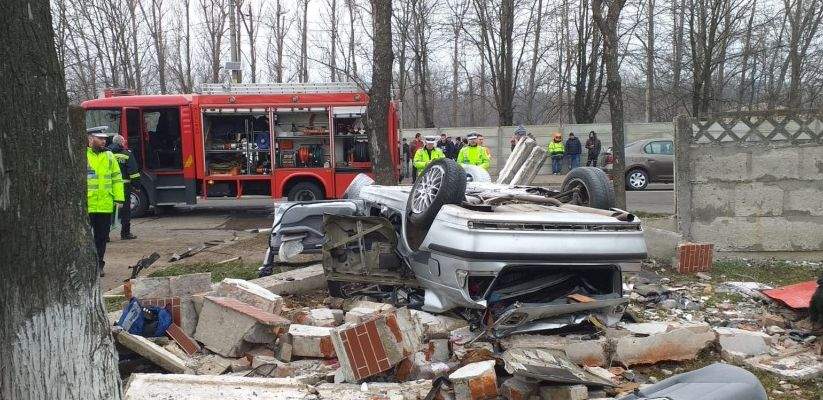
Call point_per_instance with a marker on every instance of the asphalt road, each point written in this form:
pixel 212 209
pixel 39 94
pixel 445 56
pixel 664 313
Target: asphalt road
pixel 658 198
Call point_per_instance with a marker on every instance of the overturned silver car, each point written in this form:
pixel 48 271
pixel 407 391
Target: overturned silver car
pixel 509 259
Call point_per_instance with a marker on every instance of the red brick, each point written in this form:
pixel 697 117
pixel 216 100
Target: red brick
pixel 172 303
pixel 186 343
pixel 694 257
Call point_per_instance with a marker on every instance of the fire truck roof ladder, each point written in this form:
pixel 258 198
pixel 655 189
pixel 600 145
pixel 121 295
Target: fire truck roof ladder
pixel 279 88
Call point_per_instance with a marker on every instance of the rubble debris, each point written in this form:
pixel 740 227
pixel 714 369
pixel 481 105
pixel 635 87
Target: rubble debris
pixel 152 352
pixel 521 152
pixel 678 344
pixel 349 305
pixel 190 252
pixel 575 392
pixel 438 326
pixel 182 339
pixel 149 288
pixel 739 344
pixel 517 388
pixel 645 328
pixel 318 317
pixel 143 263
pixel 311 341
pixel 528 171
pixel 548 365
pixel 750 289
pixel 437 350
pixel 250 293
pixel 296 281
pixel 694 257
pixel 213 387
pixel 797 296
pixel 229 327
pixel 212 364
pixel 413 390
pixel 476 381
pixel 802 365
pixel 370 347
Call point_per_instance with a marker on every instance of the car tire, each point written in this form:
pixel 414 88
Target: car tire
pixel 597 190
pixel 305 191
pixel 442 182
pixel 139 202
pixel 475 173
pixel 637 179
pixel 357 184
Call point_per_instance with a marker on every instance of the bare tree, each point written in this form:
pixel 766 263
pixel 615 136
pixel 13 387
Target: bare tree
pixel 303 71
pixel 352 8
pixel 402 21
pixel 276 40
pixel 55 342
pixel 608 28
pixel 154 20
pixel 380 93
pixel 588 85
pixel 650 52
pixel 252 30
pixel 458 12
pixel 214 22
pixel 804 20
pixel 421 10
pixel 536 57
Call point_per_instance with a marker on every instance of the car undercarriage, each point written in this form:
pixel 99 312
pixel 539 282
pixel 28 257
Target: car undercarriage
pixel 507 258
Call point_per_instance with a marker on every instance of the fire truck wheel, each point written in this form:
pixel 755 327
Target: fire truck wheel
pixel 139 202
pixel 305 191
pixel 442 182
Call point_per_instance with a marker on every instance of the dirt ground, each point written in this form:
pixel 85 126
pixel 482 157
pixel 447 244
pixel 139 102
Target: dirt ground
pixel 184 227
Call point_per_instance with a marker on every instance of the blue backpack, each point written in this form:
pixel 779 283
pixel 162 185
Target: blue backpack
pixel 144 321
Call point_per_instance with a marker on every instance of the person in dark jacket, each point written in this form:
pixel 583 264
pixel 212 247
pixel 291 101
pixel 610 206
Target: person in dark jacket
pixel 131 175
pixel 573 150
pixel 593 147
pixel 446 145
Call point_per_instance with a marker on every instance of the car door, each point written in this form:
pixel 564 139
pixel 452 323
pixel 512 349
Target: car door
pixel 660 160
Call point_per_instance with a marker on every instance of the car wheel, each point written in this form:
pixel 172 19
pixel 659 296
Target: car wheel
pixel 594 187
pixel 139 202
pixel 442 182
pixel 476 174
pixel 637 179
pixel 305 191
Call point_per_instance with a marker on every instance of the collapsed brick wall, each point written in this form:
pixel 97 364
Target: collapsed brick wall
pixel 751 181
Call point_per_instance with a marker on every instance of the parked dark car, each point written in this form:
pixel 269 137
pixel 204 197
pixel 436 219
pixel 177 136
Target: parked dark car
pixel 647 161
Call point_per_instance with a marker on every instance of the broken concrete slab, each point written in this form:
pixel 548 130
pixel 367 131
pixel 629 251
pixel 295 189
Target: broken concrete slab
pixel 475 381
pixel 250 293
pixel 229 327
pixel 739 344
pixel 799 366
pixel 645 328
pixel 516 388
pixel 189 284
pixel 517 158
pixel 311 341
pixel 368 348
pixel 319 317
pixel 413 390
pixel 437 350
pixel 678 344
pixel 575 392
pixel 296 281
pixel 548 365
pixel 438 326
pixel 147 288
pixel 373 306
pixel 411 330
pixel 152 352
pixel 213 387
pixel 212 364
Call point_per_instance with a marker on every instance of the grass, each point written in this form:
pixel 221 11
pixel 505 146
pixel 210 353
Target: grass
pixel 650 215
pixel 114 303
pixel 773 273
pixel 235 269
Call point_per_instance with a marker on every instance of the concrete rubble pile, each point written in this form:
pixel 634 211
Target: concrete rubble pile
pixel 240 340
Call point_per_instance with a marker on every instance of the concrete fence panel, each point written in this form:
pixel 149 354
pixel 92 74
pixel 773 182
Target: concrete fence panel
pixel 751 182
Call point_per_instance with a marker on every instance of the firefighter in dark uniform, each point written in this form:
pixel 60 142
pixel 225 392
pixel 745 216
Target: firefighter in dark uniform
pixel 128 168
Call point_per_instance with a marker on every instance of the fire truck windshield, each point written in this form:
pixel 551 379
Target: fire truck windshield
pixel 109 118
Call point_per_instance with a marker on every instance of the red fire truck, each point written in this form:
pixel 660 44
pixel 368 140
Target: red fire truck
pixel 301 141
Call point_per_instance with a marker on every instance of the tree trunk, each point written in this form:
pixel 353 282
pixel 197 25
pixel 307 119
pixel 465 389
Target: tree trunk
pixel 138 71
pixel 233 40
pixel 55 342
pixel 679 15
pixel 333 39
pixel 455 64
pixel 304 44
pixel 650 62
pixel 380 94
pixel 531 91
pixel 608 28
pixel 352 41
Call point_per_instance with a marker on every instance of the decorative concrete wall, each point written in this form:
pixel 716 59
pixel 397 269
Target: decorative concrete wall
pixel 751 182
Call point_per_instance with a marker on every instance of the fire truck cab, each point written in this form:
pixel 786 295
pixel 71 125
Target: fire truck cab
pixel 300 141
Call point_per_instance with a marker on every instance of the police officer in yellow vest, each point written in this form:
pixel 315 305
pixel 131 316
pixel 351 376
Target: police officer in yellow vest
pixel 427 154
pixel 474 154
pixel 104 187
